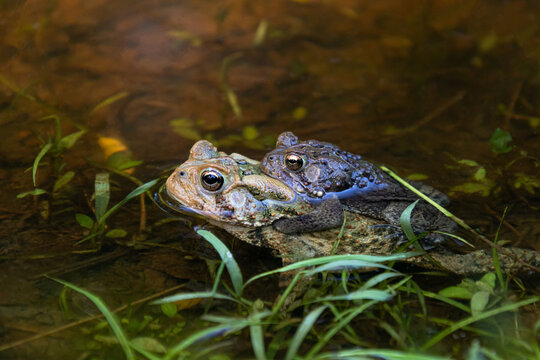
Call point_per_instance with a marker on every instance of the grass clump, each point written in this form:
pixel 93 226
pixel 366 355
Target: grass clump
pixel 352 315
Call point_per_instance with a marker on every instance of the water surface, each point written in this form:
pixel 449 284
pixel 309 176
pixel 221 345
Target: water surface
pixel 418 85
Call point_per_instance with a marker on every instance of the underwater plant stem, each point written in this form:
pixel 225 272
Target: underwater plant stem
pixel 507 224
pixel 433 114
pixel 142 220
pixel 511 106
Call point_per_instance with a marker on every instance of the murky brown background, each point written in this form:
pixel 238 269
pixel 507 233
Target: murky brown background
pixel 416 85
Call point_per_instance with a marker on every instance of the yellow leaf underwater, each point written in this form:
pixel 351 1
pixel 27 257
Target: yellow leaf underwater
pixel 111 145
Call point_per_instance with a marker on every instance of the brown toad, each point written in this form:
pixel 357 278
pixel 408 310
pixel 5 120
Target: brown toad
pixel 231 193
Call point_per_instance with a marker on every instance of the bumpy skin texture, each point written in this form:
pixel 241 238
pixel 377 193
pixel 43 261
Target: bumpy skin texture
pixel 360 186
pixel 245 197
pixel 269 203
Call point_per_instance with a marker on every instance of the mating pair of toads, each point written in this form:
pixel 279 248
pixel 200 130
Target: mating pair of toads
pixel 303 193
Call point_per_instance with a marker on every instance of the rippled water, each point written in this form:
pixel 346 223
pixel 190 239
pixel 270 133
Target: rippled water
pixel 418 85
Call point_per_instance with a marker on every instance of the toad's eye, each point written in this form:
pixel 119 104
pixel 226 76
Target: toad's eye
pixel 294 162
pixel 211 180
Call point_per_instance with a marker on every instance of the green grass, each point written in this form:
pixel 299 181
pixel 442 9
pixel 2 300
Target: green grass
pixel 314 316
pixel 331 313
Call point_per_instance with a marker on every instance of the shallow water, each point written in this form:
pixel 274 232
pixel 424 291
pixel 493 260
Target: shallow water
pixel 419 86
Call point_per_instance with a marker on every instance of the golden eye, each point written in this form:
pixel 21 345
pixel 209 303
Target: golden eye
pixel 294 162
pixel 211 180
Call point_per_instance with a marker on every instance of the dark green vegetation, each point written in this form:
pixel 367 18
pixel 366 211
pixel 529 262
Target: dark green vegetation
pixel 420 86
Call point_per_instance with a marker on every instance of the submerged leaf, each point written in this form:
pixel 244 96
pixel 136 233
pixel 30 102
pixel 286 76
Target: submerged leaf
pixel 250 132
pixel 110 100
pixel 487 43
pixel 84 220
pixel 480 174
pixel 102 194
pixel 534 122
pixel 149 344
pixel 260 34
pixel 489 279
pixel 69 140
pixel 500 141
pixel 64 179
pixel 169 309
pixel 185 128
pixel 110 145
pixel 304 328
pixel 185 36
pixel 233 102
pixel 299 113
pixel 187 303
pixel 34 192
pixel 528 182
pixel 122 160
pixel 468 162
pixel 483 188
pixel 479 302
pixel 456 292
pixel 116 233
pixel 38 158
pixel 417 177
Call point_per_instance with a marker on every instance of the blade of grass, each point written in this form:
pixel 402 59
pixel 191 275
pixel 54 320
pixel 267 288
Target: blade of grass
pixel 193 295
pixel 340 235
pixel 379 353
pixel 369 294
pixel 302 331
pixel 63 180
pixel 459 238
pixel 405 221
pixel 102 194
pixel 260 33
pixel 15 89
pixel 328 259
pixel 38 158
pixel 111 318
pixel 110 100
pixel 460 324
pixel 69 140
pixel 257 341
pixel 344 321
pixel 496 263
pixel 279 304
pixel 379 278
pixel 345 264
pixel 147 354
pixel 420 295
pixel 227 258
pixel 138 191
pixel 202 335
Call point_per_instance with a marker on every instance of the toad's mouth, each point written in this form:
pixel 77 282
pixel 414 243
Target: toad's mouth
pixel 172 205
